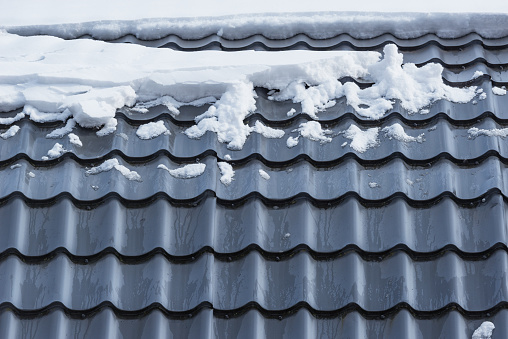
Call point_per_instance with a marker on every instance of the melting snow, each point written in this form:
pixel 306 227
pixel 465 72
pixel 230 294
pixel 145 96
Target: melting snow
pixel 12 131
pixel 74 139
pixel 55 152
pixel 292 141
pixel 264 175
pixel 374 185
pixel 361 141
pixel 89 80
pixel 60 132
pixel 186 172
pixel 474 132
pixel 312 130
pixel 267 132
pixel 31 174
pixel 15 166
pixel 477 74
pixel 108 128
pixel 499 90
pixel 291 112
pixel 152 130
pixel 484 331
pixel 108 165
pixel 227 157
pixel 396 131
pixel 227 173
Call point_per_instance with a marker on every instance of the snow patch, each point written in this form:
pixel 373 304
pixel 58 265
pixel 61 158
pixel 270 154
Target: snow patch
pixel 74 139
pixel 361 141
pixel 499 90
pixel 312 130
pixel 108 165
pixel 484 331
pixel 60 132
pixel 374 185
pixel 226 116
pixel 152 130
pixel 227 173
pixel 227 157
pixel 55 152
pixel 9 121
pixel 15 166
pixel 292 141
pixel 474 132
pixel 186 172
pixel 267 132
pixel 12 131
pixel 31 174
pixel 264 175
pixel 108 128
pixel 477 74
pixel 291 112
pixel 396 131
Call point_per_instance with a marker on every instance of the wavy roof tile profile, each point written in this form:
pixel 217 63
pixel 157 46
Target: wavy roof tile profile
pixel 404 240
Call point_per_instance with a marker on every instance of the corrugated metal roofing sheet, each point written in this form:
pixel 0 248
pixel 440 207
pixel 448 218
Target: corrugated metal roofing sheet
pixel 313 252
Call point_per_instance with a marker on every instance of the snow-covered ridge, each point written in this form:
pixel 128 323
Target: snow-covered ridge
pixel 84 82
pixel 317 25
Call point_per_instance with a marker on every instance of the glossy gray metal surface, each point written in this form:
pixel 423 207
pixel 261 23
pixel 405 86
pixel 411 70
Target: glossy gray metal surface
pixel 185 230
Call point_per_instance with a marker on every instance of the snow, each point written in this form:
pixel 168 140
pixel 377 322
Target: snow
pixel 227 157
pixel 264 175
pixel 15 166
pixel 12 131
pixel 8 121
pixel 88 80
pixel 499 90
pixel 484 331
pixel 226 116
pixel 171 104
pixel 55 152
pixel 186 172
pixel 38 116
pixel 396 131
pixel 292 141
pixel 152 130
pixel 31 174
pixel 477 74
pixel 108 128
pixel 318 19
pixel 61 132
pixel 474 132
pixel 361 141
pixel 267 132
pixel 291 112
pixel 374 185
pixel 74 139
pixel 312 130
pixel 110 164
pixel 227 173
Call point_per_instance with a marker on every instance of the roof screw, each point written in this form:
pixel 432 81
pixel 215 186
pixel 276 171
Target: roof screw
pixel 277 258
pixel 227 316
pixel 192 258
pixel 86 261
pixel 190 315
pixel 382 316
pixel 280 317
pixel 229 259
pixel 488 314
pixel 484 256
pixel 82 315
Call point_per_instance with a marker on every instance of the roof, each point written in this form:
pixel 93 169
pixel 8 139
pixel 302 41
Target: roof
pixel 403 238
